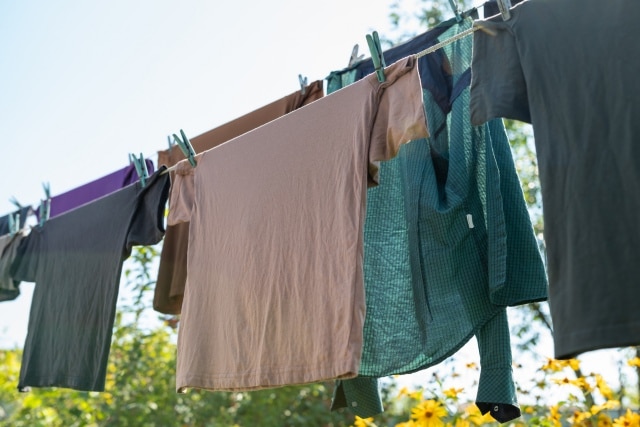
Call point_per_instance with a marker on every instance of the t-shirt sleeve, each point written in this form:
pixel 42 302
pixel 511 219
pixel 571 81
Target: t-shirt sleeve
pixel 498 86
pixel 25 263
pixel 147 224
pixel 400 116
pixel 182 194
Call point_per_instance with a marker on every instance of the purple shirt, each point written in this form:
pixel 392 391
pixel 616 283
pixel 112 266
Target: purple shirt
pixel 94 190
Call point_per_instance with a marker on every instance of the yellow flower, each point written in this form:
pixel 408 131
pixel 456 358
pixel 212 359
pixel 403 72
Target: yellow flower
pixel 562 381
pixel 552 365
pixel 555 415
pixel 452 392
pixel 429 414
pixel 609 404
pixel 461 423
pixel 363 422
pixel 416 395
pixel 573 364
pixel 582 384
pixel 558 365
pixel 403 392
pixel 634 362
pixel 579 417
pixel 603 387
pixel 472 365
pixel 604 421
pixel 630 419
pixel 476 417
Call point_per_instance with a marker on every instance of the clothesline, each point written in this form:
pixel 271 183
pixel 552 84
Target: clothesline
pixel 418 55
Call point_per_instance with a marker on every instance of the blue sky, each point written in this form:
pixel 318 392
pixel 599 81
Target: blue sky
pixel 83 84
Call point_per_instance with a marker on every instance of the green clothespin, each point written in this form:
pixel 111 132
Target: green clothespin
pixel 141 168
pixel 456 11
pixel 45 205
pixel 303 83
pixel 14 223
pixel 354 58
pixel 504 6
pixel 15 202
pixel 186 147
pixel 376 55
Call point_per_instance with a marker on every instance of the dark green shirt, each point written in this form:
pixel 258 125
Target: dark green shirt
pixel 76 259
pixel 448 242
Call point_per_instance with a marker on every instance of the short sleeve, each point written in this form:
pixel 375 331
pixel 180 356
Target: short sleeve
pixel 147 224
pixel 498 87
pixel 25 263
pixel 182 194
pixel 400 115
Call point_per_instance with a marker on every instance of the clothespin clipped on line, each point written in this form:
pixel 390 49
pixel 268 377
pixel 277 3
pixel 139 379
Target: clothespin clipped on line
pixel 141 168
pixel 186 147
pixel 14 223
pixel 15 202
pixel 456 11
pixel 504 6
pixel 354 58
pixel 376 55
pixel 303 83
pixel 45 205
pixel 170 142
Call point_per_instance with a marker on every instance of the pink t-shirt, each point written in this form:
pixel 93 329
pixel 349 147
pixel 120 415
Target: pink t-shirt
pixel 275 294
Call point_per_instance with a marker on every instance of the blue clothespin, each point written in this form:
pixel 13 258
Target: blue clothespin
pixel 170 142
pixel 141 168
pixel 303 83
pixel 186 147
pixel 45 205
pixel 456 11
pixel 376 55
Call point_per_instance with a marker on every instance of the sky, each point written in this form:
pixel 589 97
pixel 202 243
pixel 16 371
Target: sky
pixel 83 84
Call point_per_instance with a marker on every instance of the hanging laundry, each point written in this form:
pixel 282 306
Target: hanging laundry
pixel 76 259
pixel 571 69
pixel 9 287
pixel 24 212
pixel 274 294
pixel 93 190
pixel 172 272
pixel 448 239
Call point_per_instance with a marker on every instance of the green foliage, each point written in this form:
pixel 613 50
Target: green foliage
pixel 140 387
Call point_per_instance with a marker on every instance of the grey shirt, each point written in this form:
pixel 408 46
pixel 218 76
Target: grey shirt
pixel 9 288
pixel 76 260
pixel 571 68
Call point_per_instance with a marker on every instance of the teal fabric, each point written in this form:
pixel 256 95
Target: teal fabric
pixel 361 395
pixel 448 241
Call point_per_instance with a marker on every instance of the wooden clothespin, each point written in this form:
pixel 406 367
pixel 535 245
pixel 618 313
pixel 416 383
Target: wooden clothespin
pixel 141 168
pixel 504 6
pixel 186 147
pixel 354 58
pixel 303 83
pixel 376 55
pixel 45 205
